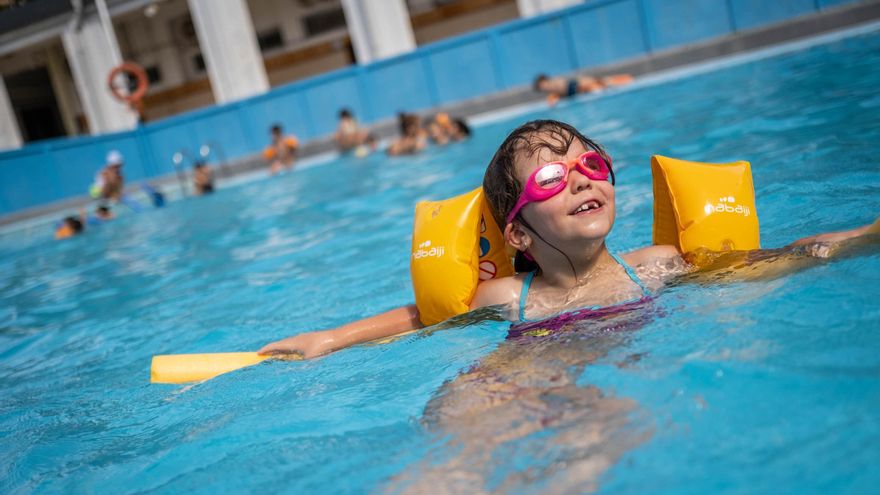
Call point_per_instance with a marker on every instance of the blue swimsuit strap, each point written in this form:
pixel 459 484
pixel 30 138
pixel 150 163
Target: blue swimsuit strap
pixel 524 293
pixel 632 274
pixel 531 275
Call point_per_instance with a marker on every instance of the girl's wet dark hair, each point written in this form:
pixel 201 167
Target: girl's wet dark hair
pixel 500 185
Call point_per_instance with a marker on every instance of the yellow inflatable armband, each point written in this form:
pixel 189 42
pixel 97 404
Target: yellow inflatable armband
pixel 456 244
pixel 182 368
pixel 64 232
pixel 290 142
pixel 704 205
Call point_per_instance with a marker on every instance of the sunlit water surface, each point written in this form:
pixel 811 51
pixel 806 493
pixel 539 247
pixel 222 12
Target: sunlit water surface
pixel 747 387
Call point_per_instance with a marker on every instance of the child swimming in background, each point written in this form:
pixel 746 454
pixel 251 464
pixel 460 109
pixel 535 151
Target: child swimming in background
pixel 552 191
pixel 557 88
pixel 110 183
pixel 203 179
pixel 281 151
pixel 442 129
pixel 351 136
pixel 69 227
pixel 413 138
pixel 102 214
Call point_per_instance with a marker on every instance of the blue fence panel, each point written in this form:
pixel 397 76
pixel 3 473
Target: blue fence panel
pixel 397 85
pixel 464 70
pixel 28 179
pixel 607 33
pixel 285 109
pixel 532 48
pixel 325 100
pixel 224 128
pixel 833 3
pixel 676 22
pixel 165 141
pixel 753 13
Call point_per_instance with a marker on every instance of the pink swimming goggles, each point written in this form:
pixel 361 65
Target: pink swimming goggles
pixel 550 179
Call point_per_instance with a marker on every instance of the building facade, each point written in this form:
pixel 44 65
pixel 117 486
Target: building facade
pixel 56 55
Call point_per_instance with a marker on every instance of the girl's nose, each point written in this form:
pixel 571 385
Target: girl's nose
pixel 578 181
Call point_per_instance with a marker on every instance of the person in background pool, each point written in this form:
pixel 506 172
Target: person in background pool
pixel 69 227
pixel 351 136
pixel 203 179
pixel 557 88
pixel 102 214
pixel 110 183
pixel 281 152
pixel 442 129
pixel 413 138
pixel 558 220
pixel 72 225
pixel 461 130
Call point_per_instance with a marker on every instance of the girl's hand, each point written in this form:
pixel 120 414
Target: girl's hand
pixel 306 345
pixel 825 245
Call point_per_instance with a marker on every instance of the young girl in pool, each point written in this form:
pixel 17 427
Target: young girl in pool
pixel 552 190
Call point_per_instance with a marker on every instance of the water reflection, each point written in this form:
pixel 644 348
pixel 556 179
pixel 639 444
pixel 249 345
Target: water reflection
pixel 520 418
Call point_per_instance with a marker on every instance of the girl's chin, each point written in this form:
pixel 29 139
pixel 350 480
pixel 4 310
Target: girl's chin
pixel 600 225
pixel 590 235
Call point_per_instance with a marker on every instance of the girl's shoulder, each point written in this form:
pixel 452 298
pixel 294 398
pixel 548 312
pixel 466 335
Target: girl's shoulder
pixel 657 265
pixel 651 255
pixel 504 291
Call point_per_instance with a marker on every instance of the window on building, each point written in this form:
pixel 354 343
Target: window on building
pixel 199 62
pixel 323 21
pixel 154 76
pixel 270 39
pixel 184 31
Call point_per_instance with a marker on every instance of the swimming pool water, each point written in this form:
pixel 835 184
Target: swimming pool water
pixel 769 386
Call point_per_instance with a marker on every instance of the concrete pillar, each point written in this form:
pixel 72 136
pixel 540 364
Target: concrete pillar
pixel 62 87
pixel 529 8
pixel 229 47
pixel 10 136
pixel 378 29
pixel 91 59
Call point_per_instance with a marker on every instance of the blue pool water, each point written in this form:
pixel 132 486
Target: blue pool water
pixel 767 387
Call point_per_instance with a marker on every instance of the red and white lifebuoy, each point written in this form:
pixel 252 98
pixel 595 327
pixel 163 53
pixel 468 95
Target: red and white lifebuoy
pixel 134 71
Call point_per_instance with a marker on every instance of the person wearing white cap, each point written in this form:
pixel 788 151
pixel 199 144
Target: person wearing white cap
pixel 109 182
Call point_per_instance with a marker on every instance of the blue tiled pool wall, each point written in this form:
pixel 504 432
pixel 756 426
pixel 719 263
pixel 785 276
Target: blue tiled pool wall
pixel 479 63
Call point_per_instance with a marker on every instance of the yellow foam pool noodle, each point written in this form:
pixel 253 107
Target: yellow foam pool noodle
pixel 182 368
pixel 704 205
pixel 456 243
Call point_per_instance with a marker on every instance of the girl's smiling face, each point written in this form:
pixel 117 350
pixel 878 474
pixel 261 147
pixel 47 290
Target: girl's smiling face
pixel 582 211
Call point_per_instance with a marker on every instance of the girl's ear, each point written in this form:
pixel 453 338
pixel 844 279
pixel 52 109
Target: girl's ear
pixel 517 237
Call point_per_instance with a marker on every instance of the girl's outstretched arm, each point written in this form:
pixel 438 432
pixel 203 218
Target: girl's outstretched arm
pixel 313 344
pixel 763 264
pixel 831 240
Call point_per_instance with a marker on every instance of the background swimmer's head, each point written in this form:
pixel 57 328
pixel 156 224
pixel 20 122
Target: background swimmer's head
pixel 345 114
pixel 74 224
pixel 462 128
pixel 275 130
pixel 103 212
pixel 538 83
